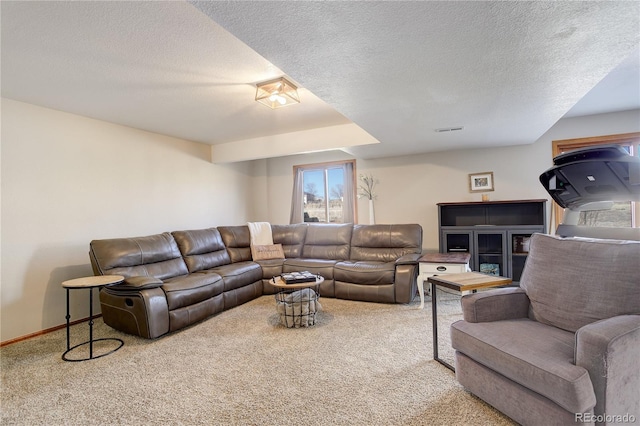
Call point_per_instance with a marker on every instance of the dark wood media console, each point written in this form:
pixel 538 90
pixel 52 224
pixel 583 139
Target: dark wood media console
pixel 495 233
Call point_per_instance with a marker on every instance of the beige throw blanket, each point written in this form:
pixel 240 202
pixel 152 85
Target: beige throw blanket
pixel 260 233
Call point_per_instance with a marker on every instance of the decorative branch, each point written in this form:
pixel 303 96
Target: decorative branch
pixel 365 189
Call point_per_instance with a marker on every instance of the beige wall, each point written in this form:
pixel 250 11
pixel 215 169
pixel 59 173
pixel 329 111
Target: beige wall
pixel 68 179
pixel 410 187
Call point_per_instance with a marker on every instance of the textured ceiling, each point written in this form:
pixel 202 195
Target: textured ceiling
pixel 505 71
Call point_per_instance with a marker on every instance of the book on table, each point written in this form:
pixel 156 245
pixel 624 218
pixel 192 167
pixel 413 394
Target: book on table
pixel 298 277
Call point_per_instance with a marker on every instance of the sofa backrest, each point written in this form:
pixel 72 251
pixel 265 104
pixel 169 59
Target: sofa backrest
pixel 154 255
pixel 572 282
pixel 202 248
pixel 291 237
pixel 385 243
pixel 237 239
pixel 327 241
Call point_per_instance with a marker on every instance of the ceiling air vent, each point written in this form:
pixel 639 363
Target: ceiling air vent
pixel 449 129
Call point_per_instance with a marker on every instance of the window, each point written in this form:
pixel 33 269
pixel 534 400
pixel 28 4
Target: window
pixel 324 193
pixel 623 214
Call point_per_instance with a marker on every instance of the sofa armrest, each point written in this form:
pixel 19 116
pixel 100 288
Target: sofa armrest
pixel 495 305
pixel 609 350
pixel 408 259
pixel 137 283
pixel 405 285
pixel 143 313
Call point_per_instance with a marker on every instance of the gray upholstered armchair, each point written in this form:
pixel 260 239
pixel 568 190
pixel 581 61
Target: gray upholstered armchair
pixel 564 348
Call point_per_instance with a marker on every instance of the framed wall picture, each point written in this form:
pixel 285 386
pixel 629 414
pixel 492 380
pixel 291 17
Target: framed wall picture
pixel 481 182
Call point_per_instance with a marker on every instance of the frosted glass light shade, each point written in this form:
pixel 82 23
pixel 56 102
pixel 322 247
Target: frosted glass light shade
pixel 277 93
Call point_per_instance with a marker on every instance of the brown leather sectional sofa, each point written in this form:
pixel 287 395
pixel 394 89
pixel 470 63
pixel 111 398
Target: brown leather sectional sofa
pixel 175 279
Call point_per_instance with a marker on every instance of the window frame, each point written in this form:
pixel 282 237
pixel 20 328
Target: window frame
pixel 623 139
pixel 324 167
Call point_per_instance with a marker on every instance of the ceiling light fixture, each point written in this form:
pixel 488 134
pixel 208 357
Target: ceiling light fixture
pixel 277 93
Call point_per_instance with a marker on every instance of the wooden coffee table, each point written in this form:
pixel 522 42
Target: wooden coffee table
pixel 466 281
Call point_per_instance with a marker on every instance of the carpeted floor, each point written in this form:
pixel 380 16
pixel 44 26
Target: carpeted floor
pixel 362 364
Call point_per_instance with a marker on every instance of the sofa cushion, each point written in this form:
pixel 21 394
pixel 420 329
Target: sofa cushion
pixel 191 289
pixel 327 241
pixel 385 243
pixel 270 267
pixel 324 267
pixel 365 272
pixel 202 248
pixel 236 275
pixel 535 355
pixel 291 237
pixel 237 239
pixel 154 255
pixel 565 277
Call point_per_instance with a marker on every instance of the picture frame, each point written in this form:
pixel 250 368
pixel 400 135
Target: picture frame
pixel 481 182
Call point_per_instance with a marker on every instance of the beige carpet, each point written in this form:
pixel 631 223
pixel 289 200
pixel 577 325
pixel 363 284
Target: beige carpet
pixel 362 364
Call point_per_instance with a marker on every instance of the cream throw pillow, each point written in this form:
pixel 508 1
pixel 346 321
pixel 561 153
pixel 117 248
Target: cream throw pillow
pixel 262 246
pixel 272 251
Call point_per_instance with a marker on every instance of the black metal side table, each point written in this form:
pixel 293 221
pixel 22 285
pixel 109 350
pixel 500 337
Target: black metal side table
pixel 465 281
pixel 90 283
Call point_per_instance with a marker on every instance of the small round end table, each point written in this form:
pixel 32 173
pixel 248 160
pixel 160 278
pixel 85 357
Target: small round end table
pixel 304 315
pixel 90 283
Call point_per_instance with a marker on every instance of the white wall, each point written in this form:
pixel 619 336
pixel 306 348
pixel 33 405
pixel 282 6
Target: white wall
pixel 411 186
pixel 68 179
